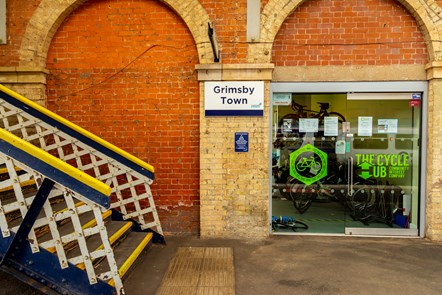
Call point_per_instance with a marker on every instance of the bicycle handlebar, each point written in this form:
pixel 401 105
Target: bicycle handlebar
pixel 299 107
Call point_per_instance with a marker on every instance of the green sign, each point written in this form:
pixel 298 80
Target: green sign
pixel 383 165
pixel 308 164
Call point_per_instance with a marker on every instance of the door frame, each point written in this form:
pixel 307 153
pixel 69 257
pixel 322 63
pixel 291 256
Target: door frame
pixel 364 87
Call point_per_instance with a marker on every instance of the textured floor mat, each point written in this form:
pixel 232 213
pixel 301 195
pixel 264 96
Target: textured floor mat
pixel 201 271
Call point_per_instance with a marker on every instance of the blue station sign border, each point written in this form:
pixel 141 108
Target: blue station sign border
pixel 234 98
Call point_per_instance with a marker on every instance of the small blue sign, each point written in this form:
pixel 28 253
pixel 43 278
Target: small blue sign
pixel 416 96
pixel 241 142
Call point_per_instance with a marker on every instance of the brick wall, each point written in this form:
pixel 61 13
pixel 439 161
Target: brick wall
pixel 434 158
pixel 351 32
pixel 235 186
pixel 229 20
pixel 19 13
pixel 104 78
pixel 124 70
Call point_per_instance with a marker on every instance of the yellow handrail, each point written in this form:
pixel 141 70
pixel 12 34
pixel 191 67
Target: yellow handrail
pixel 77 128
pixel 55 162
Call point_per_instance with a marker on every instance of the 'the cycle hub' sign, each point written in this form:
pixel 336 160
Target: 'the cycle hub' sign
pixel 234 98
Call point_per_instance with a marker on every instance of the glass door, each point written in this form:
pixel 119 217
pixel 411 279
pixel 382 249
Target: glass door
pixel 382 136
pixel 346 163
pixel 309 163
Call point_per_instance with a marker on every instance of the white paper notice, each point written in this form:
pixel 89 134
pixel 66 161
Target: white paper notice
pixel 281 99
pixel 387 126
pixel 308 125
pixel 365 127
pixel 330 126
pixel 287 125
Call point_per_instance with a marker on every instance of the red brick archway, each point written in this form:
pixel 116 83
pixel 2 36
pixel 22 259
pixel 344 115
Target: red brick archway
pixel 337 33
pixel 124 70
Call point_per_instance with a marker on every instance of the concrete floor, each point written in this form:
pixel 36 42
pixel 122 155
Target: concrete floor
pixel 312 265
pixel 302 265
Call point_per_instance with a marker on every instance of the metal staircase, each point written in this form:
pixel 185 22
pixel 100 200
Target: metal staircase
pixel 75 211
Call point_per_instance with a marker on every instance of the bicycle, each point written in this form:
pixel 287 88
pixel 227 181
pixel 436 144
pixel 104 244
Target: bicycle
pixel 288 222
pixel 375 204
pixel 303 195
pixel 280 175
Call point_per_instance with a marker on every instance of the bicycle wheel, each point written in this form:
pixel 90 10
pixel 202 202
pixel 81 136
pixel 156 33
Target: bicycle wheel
pixel 299 225
pixel 362 201
pixel 302 196
pixel 283 183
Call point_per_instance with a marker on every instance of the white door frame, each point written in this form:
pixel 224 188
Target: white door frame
pixel 367 87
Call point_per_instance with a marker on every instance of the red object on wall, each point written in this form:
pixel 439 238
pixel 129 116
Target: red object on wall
pixel 414 103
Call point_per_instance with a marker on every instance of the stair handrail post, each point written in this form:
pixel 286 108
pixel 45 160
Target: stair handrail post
pixel 19 240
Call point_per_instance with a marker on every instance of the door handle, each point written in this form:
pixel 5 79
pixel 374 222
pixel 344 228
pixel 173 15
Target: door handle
pixel 350 176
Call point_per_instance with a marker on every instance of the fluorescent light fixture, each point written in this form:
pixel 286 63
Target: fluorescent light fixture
pixel 383 96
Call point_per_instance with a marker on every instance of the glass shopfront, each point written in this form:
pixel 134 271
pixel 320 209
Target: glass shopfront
pixel 347 161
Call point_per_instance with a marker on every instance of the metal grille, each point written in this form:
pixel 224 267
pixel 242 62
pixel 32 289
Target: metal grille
pixel 67 225
pixel 131 193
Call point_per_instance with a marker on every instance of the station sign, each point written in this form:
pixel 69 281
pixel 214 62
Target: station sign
pixel 234 98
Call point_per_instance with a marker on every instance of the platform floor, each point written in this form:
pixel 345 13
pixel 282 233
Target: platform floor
pixel 299 265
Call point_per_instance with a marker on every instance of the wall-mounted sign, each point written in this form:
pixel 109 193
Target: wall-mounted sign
pixel 308 164
pixel 234 98
pixel 417 96
pixel 287 125
pixel 365 126
pixel 281 99
pixel 308 125
pixel 346 127
pixel 241 142
pixel 383 165
pixel 331 126
pixel 387 126
pixel 340 147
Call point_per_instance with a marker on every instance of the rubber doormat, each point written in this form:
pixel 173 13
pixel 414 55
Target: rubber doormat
pixel 200 271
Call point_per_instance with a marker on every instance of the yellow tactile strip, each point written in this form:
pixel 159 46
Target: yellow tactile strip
pixel 200 271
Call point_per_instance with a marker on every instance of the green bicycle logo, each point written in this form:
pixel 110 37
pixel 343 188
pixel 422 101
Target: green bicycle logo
pixel 308 164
